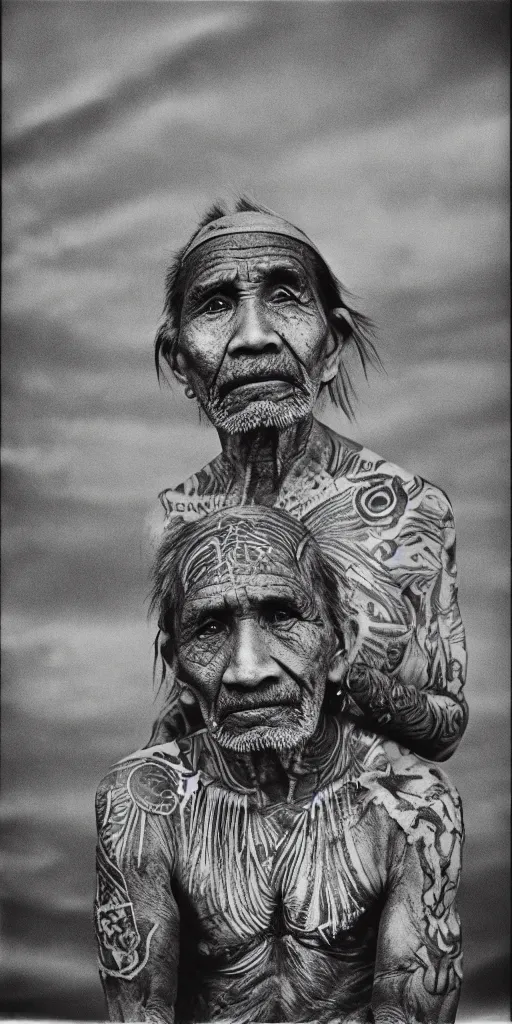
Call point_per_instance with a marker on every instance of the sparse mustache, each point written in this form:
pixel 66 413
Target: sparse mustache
pixel 254 704
pixel 261 369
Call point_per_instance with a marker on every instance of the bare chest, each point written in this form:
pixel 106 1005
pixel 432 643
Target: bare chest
pixel 249 875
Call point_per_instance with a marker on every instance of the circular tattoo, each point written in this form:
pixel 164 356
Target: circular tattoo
pixel 154 787
pixel 381 498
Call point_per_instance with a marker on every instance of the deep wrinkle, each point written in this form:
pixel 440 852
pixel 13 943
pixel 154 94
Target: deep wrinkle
pixel 260 459
pixel 321 862
pixel 223 282
pixel 245 616
pixel 340 850
pixel 236 284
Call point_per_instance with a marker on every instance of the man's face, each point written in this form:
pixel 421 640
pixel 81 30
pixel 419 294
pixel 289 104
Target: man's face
pixel 252 644
pixel 253 335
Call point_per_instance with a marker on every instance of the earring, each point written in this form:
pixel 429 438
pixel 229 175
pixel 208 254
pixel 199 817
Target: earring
pixel 186 696
pixel 189 392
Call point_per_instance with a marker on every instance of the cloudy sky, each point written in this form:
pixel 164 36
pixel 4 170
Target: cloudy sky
pixel 382 130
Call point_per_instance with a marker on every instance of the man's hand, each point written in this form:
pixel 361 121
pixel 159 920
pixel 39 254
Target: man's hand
pixel 432 723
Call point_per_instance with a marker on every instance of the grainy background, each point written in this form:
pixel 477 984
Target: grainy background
pixel 382 130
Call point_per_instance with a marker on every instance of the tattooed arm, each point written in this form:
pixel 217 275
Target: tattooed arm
pixel 430 724
pixel 136 917
pixel 419 962
pixel 419 700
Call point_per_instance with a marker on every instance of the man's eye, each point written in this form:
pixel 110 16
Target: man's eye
pixel 209 629
pixel 215 305
pixel 281 295
pixel 280 616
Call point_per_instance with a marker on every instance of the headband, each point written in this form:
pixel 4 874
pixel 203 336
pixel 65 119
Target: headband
pixel 248 223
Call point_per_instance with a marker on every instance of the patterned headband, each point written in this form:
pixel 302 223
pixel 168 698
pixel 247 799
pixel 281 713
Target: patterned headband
pixel 248 223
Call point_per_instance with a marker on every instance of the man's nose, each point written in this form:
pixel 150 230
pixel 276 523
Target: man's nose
pixel 250 664
pixel 254 333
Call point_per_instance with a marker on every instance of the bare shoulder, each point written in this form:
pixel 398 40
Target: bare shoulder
pixel 209 480
pixel 153 530
pixel 386 482
pixel 155 778
pixel 197 496
pixel 148 784
pixel 414 795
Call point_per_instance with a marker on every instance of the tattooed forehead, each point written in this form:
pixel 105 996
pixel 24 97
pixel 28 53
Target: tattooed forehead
pixel 259 251
pixel 239 548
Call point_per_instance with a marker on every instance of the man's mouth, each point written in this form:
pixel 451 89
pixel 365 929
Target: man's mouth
pixel 276 383
pixel 245 713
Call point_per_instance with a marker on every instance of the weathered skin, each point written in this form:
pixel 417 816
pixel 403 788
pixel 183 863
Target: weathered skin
pixel 294 866
pixel 252 311
pixel 409 666
pixel 327 905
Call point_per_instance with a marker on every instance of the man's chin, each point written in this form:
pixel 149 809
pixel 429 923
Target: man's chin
pixel 262 413
pixel 264 737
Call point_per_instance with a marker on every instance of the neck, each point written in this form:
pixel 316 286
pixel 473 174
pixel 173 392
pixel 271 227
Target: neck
pixel 261 458
pixel 277 776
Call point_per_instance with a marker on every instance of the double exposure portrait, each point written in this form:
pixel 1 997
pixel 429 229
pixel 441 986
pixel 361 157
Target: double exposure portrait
pixel 255 578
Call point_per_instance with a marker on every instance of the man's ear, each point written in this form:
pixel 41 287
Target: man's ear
pixel 338 667
pixel 167 652
pixel 179 367
pixel 167 348
pixel 170 659
pixel 341 329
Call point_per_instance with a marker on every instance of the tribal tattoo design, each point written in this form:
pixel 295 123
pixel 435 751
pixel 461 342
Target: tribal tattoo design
pixel 391 538
pixel 428 812
pixel 144 786
pixel 296 866
pixel 338 906
pixel 293 864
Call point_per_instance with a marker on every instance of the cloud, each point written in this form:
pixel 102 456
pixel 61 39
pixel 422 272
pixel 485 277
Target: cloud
pixel 382 130
pixel 109 77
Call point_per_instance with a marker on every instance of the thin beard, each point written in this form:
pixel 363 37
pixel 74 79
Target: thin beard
pixel 261 414
pixel 287 738
pixel 264 415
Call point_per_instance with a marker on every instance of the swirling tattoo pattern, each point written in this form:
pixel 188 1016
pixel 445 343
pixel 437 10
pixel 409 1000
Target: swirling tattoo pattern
pixel 299 885
pixel 391 537
pixel 147 785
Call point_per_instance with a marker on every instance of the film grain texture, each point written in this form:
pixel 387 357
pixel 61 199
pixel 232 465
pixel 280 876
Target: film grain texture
pixel 382 130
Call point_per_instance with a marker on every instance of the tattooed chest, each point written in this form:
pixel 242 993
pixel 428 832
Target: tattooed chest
pixel 248 875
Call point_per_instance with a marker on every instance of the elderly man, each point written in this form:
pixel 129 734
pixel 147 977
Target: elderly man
pixel 280 863
pixel 256 327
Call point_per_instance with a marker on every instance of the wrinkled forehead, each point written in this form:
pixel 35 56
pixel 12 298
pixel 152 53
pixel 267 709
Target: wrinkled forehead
pixel 260 252
pixel 239 552
pixel 239 589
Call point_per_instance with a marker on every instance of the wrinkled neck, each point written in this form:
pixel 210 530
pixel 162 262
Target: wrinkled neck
pixel 261 458
pixel 277 776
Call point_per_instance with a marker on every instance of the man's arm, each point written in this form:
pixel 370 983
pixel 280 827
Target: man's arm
pixel 420 703
pixel 430 724
pixel 136 916
pixel 419 961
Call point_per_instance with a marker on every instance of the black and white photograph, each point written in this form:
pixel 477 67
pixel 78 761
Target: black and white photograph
pixel 255 516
